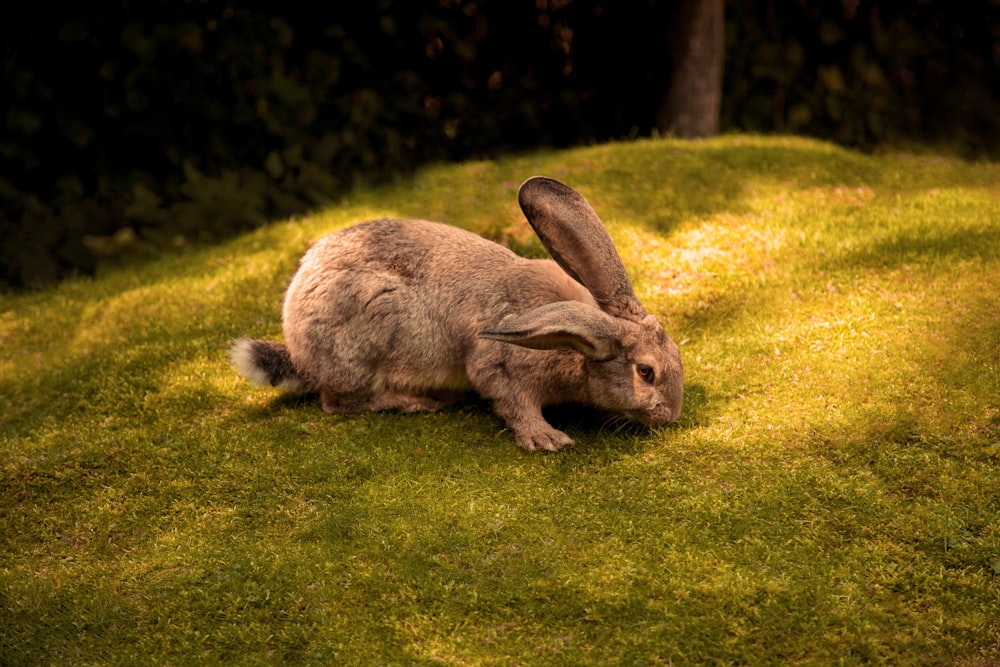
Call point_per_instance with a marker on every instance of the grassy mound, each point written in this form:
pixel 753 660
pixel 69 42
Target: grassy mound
pixel 829 496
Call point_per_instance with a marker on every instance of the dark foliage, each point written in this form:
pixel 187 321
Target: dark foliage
pixel 867 73
pixel 134 126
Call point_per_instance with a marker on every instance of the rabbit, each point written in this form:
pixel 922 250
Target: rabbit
pixel 411 315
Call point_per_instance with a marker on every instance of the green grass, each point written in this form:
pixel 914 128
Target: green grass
pixel 831 494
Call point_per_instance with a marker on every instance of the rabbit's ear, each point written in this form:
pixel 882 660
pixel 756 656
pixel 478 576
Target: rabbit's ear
pixel 563 325
pixel 577 240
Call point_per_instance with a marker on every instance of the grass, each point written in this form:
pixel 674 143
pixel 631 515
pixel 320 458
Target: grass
pixel 830 495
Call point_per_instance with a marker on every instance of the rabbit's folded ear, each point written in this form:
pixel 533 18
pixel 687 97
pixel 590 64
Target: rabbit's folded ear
pixel 577 240
pixel 563 325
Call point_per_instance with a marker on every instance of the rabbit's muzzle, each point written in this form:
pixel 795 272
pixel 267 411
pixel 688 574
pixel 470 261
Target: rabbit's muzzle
pixel 660 415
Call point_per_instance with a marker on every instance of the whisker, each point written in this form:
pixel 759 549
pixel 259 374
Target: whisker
pixel 616 423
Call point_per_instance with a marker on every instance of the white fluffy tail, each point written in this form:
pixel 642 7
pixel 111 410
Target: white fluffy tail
pixel 266 363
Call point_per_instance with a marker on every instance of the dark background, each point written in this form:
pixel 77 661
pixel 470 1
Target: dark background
pixel 136 125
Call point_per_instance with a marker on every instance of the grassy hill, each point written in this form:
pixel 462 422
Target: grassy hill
pixel 830 495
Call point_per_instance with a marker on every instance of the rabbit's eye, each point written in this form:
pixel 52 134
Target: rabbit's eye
pixel 646 373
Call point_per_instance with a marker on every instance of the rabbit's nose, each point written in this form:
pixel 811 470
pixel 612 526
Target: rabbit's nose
pixel 659 415
pixel 667 413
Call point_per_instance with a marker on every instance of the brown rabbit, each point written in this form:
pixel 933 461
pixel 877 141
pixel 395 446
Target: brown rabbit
pixel 409 315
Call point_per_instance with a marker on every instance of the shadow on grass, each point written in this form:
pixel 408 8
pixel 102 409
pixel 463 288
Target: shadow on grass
pixel 704 179
pixel 707 178
pixel 921 246
pixel 586 424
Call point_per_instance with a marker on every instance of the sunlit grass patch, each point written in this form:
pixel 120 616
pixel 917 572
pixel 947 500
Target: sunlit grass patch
pixel 828 497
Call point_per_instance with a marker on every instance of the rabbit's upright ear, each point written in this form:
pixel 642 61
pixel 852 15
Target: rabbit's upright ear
pixel 577 240
pixel 563 325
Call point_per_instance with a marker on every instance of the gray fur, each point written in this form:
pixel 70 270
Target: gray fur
pixel 410 315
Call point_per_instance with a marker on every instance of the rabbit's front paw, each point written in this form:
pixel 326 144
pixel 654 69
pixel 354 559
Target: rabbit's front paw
pixel 532 432
pixel 548 439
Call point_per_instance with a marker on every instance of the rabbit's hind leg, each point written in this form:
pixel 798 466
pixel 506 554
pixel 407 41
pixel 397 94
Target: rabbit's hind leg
pixel 340 403
pixel 414 402
pixel 334 403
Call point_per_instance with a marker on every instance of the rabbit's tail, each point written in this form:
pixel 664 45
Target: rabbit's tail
pixel 266 363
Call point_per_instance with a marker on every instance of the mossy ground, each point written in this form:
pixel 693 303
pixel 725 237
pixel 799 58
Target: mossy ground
pixel 830 495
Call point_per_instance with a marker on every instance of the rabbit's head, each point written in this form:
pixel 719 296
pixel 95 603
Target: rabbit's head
pixel 633 367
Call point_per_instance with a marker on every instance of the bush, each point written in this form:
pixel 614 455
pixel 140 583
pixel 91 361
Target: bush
pixel 133 127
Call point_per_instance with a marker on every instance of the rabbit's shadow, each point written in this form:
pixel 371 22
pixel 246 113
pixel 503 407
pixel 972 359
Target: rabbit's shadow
pixel 585 420
pixel 580 421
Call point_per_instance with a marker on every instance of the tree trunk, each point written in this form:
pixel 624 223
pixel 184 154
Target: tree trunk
pixel 691 106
